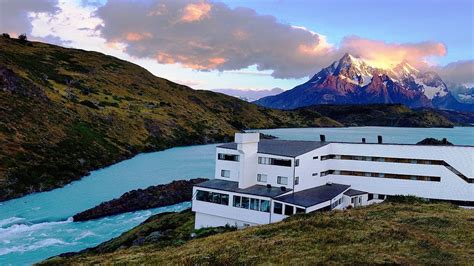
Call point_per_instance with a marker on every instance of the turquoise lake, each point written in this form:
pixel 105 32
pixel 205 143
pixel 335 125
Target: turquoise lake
pixel 38 226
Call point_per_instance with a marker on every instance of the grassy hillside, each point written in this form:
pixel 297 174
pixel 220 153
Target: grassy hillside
pixel 393 233
pixel 64 112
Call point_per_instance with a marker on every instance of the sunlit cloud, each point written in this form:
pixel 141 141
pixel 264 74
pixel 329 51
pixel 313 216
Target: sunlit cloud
pixel 195 12
pixel 208 36
pixel 386 55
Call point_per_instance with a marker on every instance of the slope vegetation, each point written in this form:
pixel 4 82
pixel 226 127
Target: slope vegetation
pixel 387 233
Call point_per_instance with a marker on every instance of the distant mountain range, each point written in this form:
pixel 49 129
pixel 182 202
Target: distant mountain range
pixel 352 80
pixel 249 95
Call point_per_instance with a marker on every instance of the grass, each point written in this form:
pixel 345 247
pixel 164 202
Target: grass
pixel 401 232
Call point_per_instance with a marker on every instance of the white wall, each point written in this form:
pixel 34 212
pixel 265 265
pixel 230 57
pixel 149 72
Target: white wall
pixel 451 187
pixel 229 211
pixel 207 220
pixel 308 166
pixel 233 167
pixel 273 171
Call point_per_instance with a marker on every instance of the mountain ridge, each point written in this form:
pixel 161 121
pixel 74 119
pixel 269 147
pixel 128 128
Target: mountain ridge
pixel 351 80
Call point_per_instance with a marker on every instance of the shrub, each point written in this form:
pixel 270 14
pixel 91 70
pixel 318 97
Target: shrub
pixel 23 38
pixel 6 35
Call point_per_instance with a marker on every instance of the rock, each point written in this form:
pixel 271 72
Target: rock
pixel 433 141
pixel 141 199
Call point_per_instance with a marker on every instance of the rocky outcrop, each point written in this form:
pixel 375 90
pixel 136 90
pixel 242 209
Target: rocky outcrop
pixel 141 199
pixel 433 141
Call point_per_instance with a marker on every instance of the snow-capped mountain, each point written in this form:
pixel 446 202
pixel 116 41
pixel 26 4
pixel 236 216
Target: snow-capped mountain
pixel 249 95
pixel 352 80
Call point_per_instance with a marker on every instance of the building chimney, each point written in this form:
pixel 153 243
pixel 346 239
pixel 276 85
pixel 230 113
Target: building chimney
pixel 322 138
pixel 247 145
pixel 363 140
pixel 379 139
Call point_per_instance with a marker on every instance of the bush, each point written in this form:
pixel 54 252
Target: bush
pixel 22 38
pixel 406 199
pixel 6 35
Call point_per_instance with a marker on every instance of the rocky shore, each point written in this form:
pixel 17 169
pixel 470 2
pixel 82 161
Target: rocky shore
pixel 141 199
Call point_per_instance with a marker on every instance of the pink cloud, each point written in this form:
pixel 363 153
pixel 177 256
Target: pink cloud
pixel 384 54
pixel 195 12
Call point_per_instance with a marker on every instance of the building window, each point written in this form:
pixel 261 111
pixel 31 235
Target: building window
pixel 264 206
pixel 277 208
pixel 237 201
pixel 336 203
pixel 382 175
pixel 282 180
pixel 254 204
pixel 370 196
pixel 228 157
pixel 297 180
pixel 273 161
pixel 297 162
pixel 315 174
pixel 261 178
pixel 212 197
pixel 225 173
pixel 245 202
pixel 289 209
pixel 315 157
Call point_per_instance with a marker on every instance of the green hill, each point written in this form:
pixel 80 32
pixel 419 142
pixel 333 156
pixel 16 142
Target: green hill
pixel 412 232
pixel 65 112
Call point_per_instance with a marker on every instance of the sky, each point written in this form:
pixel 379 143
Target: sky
pixel 255 44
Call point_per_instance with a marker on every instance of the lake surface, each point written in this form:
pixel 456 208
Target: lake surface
pixel 38 226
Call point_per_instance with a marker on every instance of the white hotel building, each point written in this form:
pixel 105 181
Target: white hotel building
pixel 264 181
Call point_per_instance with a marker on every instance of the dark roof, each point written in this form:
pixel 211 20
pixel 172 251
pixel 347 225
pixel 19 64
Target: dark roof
pixel 353 192
pixel 232 186
pixel 314 196
pixel 288 148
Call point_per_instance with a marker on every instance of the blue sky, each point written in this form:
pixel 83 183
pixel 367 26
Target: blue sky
pixel 209 44
pixel 450 21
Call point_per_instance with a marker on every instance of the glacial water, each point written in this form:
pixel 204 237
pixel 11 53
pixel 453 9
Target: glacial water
pixel 38 226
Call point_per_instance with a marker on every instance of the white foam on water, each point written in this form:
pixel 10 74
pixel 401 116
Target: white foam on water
pixel 10 221
pixel 37 245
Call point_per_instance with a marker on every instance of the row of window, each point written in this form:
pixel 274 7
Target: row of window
pixel 382 175
pixel 212 197
pixel 380 159
pixel 274 161
pixel 251 203
pixel 228 157
pixel 287 210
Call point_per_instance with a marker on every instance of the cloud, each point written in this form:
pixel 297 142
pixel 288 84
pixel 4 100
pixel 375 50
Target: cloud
pixel 459 72
pixel 15 15
pixel 208 36
pixel 383 54
pixel 195 12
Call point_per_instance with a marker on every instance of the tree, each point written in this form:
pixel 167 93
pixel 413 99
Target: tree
pixel 23 38
pixel 6 35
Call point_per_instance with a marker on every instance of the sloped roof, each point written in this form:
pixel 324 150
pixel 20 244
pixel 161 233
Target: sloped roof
pixel 287 148
pixel 314 196
pixel 232 186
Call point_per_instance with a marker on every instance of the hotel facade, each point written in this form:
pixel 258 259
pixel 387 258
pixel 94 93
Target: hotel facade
pixel 264 181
